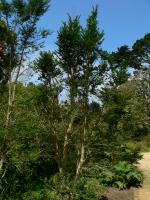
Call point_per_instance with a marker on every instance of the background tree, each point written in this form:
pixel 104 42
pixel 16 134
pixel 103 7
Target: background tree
pixel 119 66
pixel 141 52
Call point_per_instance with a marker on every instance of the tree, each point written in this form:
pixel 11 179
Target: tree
pixel 135 123
pixel 69 52
pixel 119 65
pixel 76 57
pixel 21 17
pixel 141 53
pixel 48 102
pixel 79 50
pixel 91 76
pixel 6 36
pixel 137 57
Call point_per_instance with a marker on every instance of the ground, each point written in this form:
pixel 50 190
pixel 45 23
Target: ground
pixel 142 193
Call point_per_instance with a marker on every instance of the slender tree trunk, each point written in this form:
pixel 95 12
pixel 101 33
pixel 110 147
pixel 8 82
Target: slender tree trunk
pixel 83 138
pixel 1 162
pixel 72 88
pixel 9 92
pixel 68 132
pixel 65 146
pixel 58 160
pixel 82 151
pixel 11 98
pixel 12 90
pixel 1 167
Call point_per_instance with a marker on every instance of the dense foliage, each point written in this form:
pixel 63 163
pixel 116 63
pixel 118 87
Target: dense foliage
pixel 67 136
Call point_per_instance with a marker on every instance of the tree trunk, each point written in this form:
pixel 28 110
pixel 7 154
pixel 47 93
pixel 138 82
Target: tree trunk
pixel 65 146
pixel 11 98
pixel 83 136
pixel 82 151
pixel 1 163
pixel 72 88
pixel 12 89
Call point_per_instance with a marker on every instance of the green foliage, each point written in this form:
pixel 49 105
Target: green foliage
pixel 126 176
pixel 21 35
pixel 7 38
pixel 83 188
pixel 122 176
pixel 47 68
pixel 72 150
pixel 129 154
pixel 140 51
pixel 119 61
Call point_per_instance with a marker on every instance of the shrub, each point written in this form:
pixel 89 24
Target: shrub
pixel 125 175
pixel 66 187
pixel 122 176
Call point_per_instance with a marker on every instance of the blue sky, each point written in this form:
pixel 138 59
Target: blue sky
pixel 123 21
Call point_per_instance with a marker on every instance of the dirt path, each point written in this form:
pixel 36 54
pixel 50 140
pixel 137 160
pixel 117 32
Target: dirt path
pixel 142 193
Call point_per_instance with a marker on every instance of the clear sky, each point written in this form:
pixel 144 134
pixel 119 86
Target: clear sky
pixel 123 21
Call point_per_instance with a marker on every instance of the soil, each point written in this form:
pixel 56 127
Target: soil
pixel 142 193
pixel 114 194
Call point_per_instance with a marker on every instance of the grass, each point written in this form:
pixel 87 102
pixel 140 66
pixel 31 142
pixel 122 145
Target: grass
pixel 144 144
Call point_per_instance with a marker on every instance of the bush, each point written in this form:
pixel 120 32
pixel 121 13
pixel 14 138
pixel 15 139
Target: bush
pixel 130 154
pixel 88 188
pixel 66 187
pixel 122 176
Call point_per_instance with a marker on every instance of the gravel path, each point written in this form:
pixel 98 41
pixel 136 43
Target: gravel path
pixel 144 192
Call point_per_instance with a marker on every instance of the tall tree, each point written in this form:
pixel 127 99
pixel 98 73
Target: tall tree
pixel 90 76
pixel 121 61
pixel 21 17
pixel 69 52
pixel 48 100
